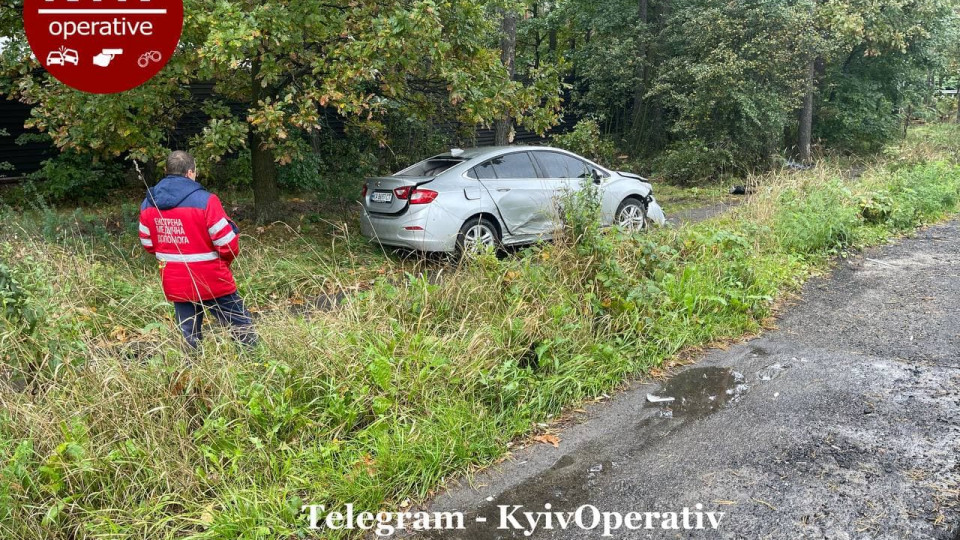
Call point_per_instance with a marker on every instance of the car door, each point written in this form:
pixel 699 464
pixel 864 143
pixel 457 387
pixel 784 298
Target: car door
pixel 565 171
pixel 524 200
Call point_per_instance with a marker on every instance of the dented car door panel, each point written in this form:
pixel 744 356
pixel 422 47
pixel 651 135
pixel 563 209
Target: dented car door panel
pixel 525 202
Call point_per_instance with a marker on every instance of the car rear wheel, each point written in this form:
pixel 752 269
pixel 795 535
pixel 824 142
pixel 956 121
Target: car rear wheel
pixel 631 214
pixel 476 235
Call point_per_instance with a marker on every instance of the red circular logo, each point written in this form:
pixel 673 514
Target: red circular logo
pixel 103 46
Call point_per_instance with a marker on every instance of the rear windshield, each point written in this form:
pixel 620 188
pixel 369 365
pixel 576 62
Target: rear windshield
pixel 430 167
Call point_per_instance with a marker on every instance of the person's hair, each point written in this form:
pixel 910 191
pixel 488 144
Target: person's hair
pixel 180 163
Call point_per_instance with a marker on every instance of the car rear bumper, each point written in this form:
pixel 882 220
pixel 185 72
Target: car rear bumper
pixel 419 229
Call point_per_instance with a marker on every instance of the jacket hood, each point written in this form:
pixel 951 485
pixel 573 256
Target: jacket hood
pixel 171 191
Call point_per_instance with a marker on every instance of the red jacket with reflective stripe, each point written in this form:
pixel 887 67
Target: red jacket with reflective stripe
pixel 194 241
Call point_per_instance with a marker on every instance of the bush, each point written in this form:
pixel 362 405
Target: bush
pixel 858 119
pixel 335 165
pixel 236 170
pixel 817 219
pixel 581 214
pixel 691 161
pixel 913 196
pixel 72 176
pixel 587 140
pixel 335 170
pixel 4 165
pixel 875 207
pixel 14 306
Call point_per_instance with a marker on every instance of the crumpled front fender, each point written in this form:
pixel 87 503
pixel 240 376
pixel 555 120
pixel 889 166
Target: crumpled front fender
pixel 655 213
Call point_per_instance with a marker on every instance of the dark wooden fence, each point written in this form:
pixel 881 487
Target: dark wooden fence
pixel 25 158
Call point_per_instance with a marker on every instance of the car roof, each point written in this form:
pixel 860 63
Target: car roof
pixel 464 155
pixel 483 151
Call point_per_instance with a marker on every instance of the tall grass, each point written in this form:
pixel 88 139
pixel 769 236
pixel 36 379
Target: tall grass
pixel 408 382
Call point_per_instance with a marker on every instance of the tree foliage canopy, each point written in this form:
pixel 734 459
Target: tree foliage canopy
pixel 287 63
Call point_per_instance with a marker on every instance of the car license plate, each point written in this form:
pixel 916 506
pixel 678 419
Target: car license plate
pixel 382 196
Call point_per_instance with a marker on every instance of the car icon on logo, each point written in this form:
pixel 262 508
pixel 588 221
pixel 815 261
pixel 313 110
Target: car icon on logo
pixel 63 57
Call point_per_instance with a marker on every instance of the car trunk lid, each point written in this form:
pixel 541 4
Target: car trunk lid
pixel 391 194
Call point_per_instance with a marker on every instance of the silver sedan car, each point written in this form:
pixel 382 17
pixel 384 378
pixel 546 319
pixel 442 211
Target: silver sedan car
pixel 495 196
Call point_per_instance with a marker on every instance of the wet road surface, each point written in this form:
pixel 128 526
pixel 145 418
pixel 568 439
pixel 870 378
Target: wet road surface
pixel 842 423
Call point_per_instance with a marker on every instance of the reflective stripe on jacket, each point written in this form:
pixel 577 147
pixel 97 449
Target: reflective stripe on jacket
pixel 188 231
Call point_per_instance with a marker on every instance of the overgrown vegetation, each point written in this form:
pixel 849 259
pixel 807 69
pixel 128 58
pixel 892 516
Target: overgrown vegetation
pixel 76 178
pixel 411 380
pixel 588 140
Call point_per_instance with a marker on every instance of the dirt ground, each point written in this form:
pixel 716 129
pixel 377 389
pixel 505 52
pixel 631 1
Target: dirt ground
pixel 843 423
pixel 701 213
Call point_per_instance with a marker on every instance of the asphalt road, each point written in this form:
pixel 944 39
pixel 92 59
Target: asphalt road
pixel 842 423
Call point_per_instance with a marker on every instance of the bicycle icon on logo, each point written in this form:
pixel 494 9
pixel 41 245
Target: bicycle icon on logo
pixel 147 57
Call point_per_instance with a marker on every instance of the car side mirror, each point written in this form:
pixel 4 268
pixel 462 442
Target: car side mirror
pixel 597 176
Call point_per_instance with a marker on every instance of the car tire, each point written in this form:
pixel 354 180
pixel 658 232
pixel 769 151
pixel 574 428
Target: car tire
pixel 631 215
pixel 476 232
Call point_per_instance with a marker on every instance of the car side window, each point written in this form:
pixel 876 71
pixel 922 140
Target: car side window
pixel 482 171
pixel 516 165
pixel 557 165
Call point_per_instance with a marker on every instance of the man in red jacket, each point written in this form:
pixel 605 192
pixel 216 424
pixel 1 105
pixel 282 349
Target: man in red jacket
pixel 195 242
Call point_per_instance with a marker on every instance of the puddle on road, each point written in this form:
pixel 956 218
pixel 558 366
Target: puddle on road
pixel 698 392
pixel 574 478
pixel 772 371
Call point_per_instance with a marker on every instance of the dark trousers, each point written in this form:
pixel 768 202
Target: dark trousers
pixel 228 310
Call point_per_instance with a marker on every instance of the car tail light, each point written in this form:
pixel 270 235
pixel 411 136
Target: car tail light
pixel 402 192
pixel 422 196
pixel 363 192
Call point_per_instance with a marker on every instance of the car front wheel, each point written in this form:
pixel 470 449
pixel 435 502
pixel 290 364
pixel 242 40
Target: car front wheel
pixel 631 214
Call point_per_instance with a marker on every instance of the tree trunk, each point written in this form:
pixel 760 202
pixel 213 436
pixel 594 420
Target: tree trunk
pixel 150 171
pixel 640 89
pixel 266 193
pixel 537 38
pixel 805 130
pixel 508 53
pixel 572 48
pixel 906 120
